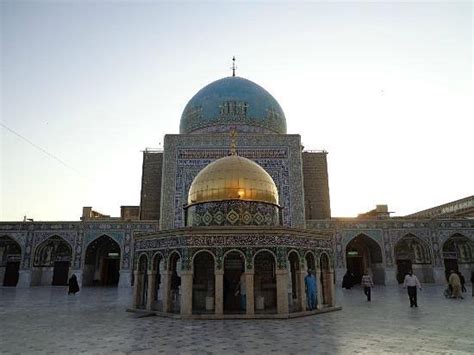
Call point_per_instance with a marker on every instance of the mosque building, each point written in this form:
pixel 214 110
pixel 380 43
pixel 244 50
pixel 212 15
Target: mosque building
pixel 231 206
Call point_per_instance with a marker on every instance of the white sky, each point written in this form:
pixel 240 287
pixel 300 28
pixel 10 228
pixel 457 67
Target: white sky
pixel 385 88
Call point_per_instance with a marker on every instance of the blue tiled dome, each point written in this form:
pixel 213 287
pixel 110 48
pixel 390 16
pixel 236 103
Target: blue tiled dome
pixel 232 102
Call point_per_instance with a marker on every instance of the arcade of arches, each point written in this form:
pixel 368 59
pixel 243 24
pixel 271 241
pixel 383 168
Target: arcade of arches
pixel 364 254
pixel 240 287
pixel 52 260
pixel 429 261
pixel 102 263
pixel 10 258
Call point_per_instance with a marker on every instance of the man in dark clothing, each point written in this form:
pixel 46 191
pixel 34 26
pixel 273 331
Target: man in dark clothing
pixel 463 282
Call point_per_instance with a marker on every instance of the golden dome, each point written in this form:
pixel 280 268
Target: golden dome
pixel 233 178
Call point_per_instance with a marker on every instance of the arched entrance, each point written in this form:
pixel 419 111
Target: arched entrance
pixel 10 258
pixel 310 262
pixel 141 282
pixel 458 255
pixel 265 282
pixel 203 283
pixel 234 267
pixel 411 253
pixel 364 253
pixel 102 263
pixel 51 262
pixel 175 282
pixel 311 265
pixel 157 296
pixel 326 279
pixel 294 286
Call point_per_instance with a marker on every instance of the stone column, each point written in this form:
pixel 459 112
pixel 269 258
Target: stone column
pixel 300 275
pixel 282 291
pixel 250 307
pixel 219 292
pixel 439 276
pixel 24 279
pixel 391 276
pixel 319 289
pixel 166 285
pixel 125 279
pixel 136 290
pixel 186 293
pixel 150 300
pixel 332 294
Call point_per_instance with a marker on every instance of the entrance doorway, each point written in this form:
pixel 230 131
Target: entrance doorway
pixel 10 257
pixel 51 262
pixel 363 253
pixel 60 273
pixel 102 263
pixel 265 283
pixel 403 267
pixel 293 290
pixel 203 283
pixel 234 267
pixel 175 282
pixel 411 253
pixel 458 254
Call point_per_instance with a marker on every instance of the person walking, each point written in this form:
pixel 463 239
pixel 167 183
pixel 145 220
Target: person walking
pixel 463 282
pixel 411 283
pixel 455 283
pixel 367 283
pixel 73 285
pixel 310 287
pixel 472 283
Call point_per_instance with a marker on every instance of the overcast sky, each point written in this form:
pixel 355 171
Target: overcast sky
pixel 385 88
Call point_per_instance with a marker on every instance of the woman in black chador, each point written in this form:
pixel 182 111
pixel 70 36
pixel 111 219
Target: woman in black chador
pixel 73 285
pixel 347 280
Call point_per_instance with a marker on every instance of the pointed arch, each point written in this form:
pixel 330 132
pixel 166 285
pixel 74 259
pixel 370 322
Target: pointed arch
pixel 10 259
pixel 102 258
pixel 365 253
pixel 413 253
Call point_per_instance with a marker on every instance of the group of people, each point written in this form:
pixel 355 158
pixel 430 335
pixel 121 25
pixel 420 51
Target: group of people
pixel 456 285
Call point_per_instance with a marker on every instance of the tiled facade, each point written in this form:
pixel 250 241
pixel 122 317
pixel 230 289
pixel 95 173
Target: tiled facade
pixel 433 236
pixel 30 236
pixel 186 155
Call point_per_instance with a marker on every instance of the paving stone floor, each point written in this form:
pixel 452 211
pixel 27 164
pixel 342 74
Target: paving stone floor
pixel 47 320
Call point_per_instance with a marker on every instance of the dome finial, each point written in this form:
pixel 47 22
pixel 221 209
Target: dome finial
pixel 233 141
pixel 233 66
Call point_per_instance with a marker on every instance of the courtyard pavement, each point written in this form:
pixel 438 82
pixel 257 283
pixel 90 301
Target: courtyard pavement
pixel 47 320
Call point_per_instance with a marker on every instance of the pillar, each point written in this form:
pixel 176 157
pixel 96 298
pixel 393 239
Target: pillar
pixel 391 276
pixel 300 275
pixel 166 284
pixel 125 279
pixel 219 292
pixel 249 284
pixel 439 275
pixel 150 300
pixel 282 291
pixel 186 293
pixel 331 291
pixel 137 287
pixel 24 279
pixel 319 287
